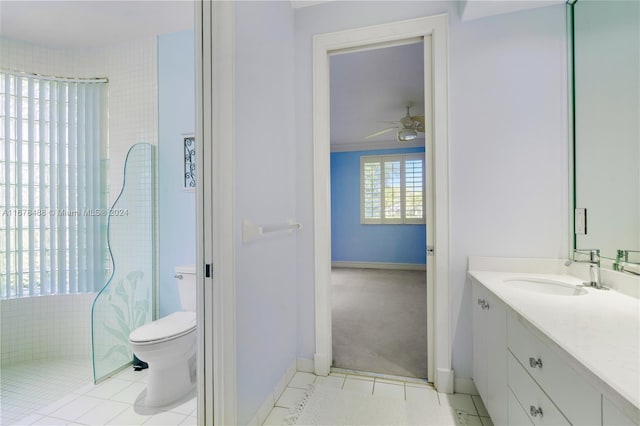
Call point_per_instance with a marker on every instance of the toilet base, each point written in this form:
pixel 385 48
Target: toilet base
pixel 169 384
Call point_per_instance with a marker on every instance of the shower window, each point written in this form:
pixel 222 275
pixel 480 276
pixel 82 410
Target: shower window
pixel 392 189
pixel 52 192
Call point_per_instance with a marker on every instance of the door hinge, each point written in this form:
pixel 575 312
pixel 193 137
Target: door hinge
pixel 207 270
pixel 430 251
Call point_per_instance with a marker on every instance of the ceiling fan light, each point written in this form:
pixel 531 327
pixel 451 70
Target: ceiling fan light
pixel 407 135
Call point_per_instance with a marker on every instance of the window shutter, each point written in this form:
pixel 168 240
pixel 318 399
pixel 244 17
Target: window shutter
pixel 371 191
pixel 414 189
pixel 392 189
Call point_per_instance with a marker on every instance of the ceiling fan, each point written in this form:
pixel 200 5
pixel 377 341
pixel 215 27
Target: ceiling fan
pixel 407 128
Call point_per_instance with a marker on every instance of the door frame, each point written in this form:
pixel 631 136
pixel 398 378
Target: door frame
pixel 435 30
pixel 215 216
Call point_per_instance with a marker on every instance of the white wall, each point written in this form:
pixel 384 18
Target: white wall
pixel 265 194
pixel 508 146
pixel 176 207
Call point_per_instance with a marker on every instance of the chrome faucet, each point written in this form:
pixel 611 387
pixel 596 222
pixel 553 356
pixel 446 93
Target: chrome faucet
pixel 594 266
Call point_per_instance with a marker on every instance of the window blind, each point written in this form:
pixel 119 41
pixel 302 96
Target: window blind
pixel 52 233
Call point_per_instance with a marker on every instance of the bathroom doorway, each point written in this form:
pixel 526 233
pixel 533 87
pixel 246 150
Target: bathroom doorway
pixel 433 32
pixel 378 201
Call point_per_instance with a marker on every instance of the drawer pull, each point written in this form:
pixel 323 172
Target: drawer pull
pixel 535 411
pixel 533 363
pixel 485 306
pixel 481 302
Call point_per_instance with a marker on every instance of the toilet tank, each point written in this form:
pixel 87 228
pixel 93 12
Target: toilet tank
pixel 186 281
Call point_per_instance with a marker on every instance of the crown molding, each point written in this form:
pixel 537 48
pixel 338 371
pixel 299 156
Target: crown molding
pixel 372 145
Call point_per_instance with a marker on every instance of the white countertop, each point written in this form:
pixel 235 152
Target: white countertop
pixel 600 329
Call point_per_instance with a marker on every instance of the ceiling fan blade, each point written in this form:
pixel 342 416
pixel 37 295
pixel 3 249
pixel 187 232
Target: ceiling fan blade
pixel 372 135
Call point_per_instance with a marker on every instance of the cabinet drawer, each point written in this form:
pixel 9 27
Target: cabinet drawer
pixel 517 415
pixel 575 397
pixel 537 406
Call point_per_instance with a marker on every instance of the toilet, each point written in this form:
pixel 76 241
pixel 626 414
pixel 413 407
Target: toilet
pixel 168 345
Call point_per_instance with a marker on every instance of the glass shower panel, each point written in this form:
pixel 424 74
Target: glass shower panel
pixel 127 299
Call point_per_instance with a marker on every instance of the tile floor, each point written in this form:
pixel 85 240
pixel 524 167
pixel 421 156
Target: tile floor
pixel 464 409
pixel 116 401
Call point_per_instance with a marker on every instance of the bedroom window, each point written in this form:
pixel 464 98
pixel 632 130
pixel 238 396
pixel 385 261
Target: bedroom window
pixel 392 189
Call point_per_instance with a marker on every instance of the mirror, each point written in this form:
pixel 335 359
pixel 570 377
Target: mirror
pixel 606 125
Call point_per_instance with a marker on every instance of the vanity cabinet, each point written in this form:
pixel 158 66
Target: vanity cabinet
pixel 524 378
pixel 490 352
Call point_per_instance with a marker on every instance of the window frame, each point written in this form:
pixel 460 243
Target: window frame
pixel 382 159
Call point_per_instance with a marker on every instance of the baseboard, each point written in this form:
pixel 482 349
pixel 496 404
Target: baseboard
pixel 380 265
pixel 444 380
pixel 305 365
pixel 465 385
pixel 271 399
pixel 320 364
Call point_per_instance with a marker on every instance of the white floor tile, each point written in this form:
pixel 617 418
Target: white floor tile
pixel 76 408
pixel 130 417
pixel 290 397
pixel 103 413
pixel 473 421
pixel 84 389
pixel 50 421
pixel 166 418
pixel 190 421
pixel 302 380
pixel 188 407
pixel 29 420
pixel 57 405
pixel 356 385
pixel 423 395
pixel 131 393
pixel 388 390
pixel 109 388
pixel 330 381
pixel 482 410
pixel 277 416
pixel 460 401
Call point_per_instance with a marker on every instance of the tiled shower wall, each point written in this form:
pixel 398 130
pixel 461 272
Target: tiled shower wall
pixel 45 327
pixel 59 326
pixel 133 88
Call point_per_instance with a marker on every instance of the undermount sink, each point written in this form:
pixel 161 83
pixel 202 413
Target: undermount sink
pixel 546 286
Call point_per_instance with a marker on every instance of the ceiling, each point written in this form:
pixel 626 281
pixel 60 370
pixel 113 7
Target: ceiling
pixel 371 86
pixel 92 23
pixel 366 86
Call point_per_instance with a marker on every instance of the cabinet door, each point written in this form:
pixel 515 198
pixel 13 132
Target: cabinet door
pixel 496 355
pixel 479 339
pixel 612 416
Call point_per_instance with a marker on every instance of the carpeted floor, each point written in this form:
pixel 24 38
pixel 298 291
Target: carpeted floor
pixel 379 321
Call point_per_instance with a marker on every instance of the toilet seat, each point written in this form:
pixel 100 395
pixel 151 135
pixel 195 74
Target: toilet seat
pixel 170 327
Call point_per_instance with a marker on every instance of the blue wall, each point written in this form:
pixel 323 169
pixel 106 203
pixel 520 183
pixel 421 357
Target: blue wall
pixel 176 116
pixel 354 242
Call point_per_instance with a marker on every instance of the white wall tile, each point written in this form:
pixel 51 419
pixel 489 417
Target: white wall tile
pixel 60 326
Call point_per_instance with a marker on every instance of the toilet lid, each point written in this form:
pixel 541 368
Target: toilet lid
pixel 173 325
